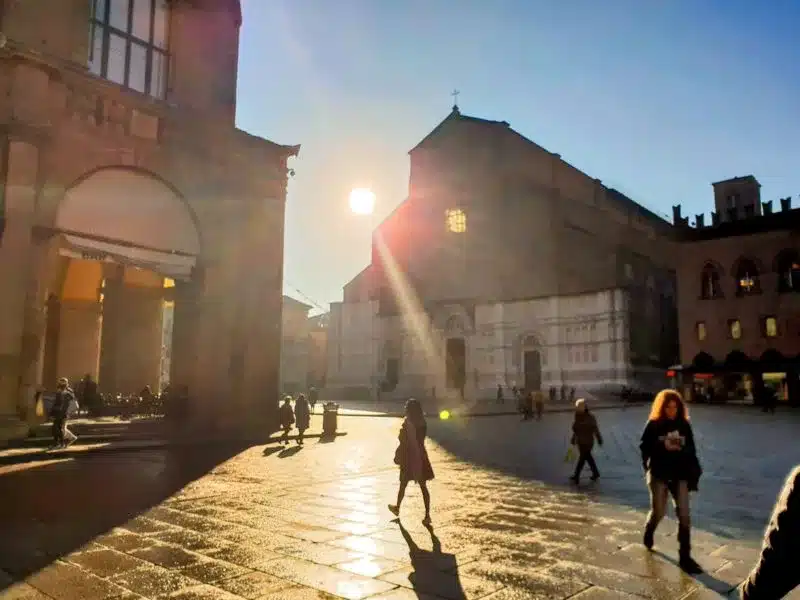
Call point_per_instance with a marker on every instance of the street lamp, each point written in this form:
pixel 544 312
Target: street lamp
pixel 362 202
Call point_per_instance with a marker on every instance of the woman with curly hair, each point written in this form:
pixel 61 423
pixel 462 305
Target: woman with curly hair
pixel 669 458
pixel 412 457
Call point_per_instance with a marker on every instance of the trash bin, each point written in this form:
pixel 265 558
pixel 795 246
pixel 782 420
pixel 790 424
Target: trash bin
pixel 330 418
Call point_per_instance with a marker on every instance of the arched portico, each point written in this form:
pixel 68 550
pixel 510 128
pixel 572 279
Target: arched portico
pixel 121 239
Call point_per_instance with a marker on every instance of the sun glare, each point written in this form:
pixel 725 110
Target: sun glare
pixel 362 201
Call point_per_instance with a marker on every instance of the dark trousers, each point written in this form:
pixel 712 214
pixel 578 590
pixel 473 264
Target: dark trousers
pixel 285 436
pixel 58 430
pixel 300 434
pixel 585 457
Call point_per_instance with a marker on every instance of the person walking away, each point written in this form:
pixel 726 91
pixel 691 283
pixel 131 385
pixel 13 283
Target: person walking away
pixel 302 415
pixel 64 406
pixel 539 401
pixel 286 415
pixel 776 573
pixel 500 394
pixel 669 458
pixel 313 397
pixel 412 458
pixel 584 432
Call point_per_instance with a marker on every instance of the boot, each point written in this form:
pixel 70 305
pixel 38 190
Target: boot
pixel 686 562
pixel 649 536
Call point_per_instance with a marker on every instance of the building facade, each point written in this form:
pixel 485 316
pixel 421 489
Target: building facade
pixel 739 295
pixel 122 169
pixel 295 346
pixel 507 266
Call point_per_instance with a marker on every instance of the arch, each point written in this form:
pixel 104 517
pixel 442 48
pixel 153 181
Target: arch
pixel 711 281
pixel 703 360
pixel 747 276
pixel 530 342
pixel 130 216
pixel 787 267
pixel 454 325
pixel 738 360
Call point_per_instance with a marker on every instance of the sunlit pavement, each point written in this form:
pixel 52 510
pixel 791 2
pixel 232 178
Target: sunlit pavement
pixel 269 522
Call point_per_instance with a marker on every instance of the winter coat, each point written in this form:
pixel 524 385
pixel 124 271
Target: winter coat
pixel 411 455
pixel 776 573
pixel 286 415
pixel 669 453
pixel 585 430
pixel 302 413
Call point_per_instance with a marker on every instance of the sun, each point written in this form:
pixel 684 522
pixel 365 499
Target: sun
pixel 362 201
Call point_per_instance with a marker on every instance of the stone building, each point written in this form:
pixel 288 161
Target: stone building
pixel 739 294
pixel 507 265
pixel 122 168
pixel 294 346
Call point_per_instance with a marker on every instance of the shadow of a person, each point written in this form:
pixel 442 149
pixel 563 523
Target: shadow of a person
pixel 723 588
pixel 287 452
pixel 435 572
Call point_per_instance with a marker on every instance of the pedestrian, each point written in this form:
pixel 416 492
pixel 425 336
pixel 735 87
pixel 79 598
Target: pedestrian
pixel 286 418
pixel 539 401
pixel 412 458
pixel 776 574
pixel 669 458
pixel 313 397
pixel 64 406
pixel 302 415
pixel 584 432
pixel 499 394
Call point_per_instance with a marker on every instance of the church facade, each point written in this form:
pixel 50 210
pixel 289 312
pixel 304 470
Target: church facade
pixel 507 266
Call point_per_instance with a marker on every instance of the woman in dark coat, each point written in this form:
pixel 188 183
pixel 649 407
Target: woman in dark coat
pixel 584 432
pixel 669 458
pixel 302 415
pixel 412 457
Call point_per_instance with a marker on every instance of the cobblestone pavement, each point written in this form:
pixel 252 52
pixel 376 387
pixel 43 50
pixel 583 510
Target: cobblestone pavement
pixel 222 523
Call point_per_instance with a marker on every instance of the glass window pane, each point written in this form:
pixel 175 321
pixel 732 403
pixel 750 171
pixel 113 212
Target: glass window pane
pixel 99 9
pixel 96 50
pixel 160 24
pixel 117 48
pixel 141 19
pixel 119 14
pixel 158 76
pixel 138 68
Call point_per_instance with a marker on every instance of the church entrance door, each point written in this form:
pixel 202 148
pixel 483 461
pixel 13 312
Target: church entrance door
pixel 456 364
pixel 533 370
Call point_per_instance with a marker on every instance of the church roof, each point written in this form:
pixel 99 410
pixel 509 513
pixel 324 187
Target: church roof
pixel 456 116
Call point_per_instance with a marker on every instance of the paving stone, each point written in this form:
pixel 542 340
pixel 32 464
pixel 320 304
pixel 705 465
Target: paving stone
pixel 367 545
pixel 152 581
pixel 203 592
pixel 326 579
pixel 125 541
pixel 244 555
pixel 105 562
pixel 62 581
pixel 167 556
pixel 254 585
pixel 370 566
pixel 600 593
pixel 438 583
pixel 213 571
pixel 22 591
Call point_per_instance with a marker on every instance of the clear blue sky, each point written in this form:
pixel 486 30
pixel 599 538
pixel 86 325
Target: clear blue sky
pixel 657 99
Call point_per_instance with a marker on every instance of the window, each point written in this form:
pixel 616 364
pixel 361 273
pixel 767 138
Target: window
pixel 128 44
pixel 701 331
pixel 735 329
pixel 747 282
pixel 455 220
pixel 732 201
pixel 710 287
pixel 769 327
pixel 628 271
pixel 788 268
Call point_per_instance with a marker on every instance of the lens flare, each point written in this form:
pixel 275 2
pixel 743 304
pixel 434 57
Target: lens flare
pixel 444 415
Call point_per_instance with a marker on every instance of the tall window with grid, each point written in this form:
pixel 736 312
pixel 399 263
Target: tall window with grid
pixel 129 42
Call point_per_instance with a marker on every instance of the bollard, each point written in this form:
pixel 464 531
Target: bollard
pixel 330 418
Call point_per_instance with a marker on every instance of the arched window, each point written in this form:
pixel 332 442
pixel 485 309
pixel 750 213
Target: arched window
pixel 788 269
pixel 710 286
pixel 455 220
pixel 747 278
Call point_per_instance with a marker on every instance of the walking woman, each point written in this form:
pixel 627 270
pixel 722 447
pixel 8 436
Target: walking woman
pixel 584 432
pixel 302 415
pixel 669 458
pixel 412 457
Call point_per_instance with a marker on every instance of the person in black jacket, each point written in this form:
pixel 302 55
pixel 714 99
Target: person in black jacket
pixel 584 433
pixel 669 458
pixel 776 573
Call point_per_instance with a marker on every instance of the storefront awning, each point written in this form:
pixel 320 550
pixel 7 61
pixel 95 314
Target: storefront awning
pixel 168 264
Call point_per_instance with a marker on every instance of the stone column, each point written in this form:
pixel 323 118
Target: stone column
pixel 79 334
pixel 111 336
pixel 21 163
pixel 183 361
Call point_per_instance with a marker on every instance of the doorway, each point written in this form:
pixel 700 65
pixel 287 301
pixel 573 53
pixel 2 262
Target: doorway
pixel 456 364
pixel 533 370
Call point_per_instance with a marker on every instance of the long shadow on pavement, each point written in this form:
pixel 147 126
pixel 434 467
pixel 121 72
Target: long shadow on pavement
pixel 52 509
pixel 434 572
